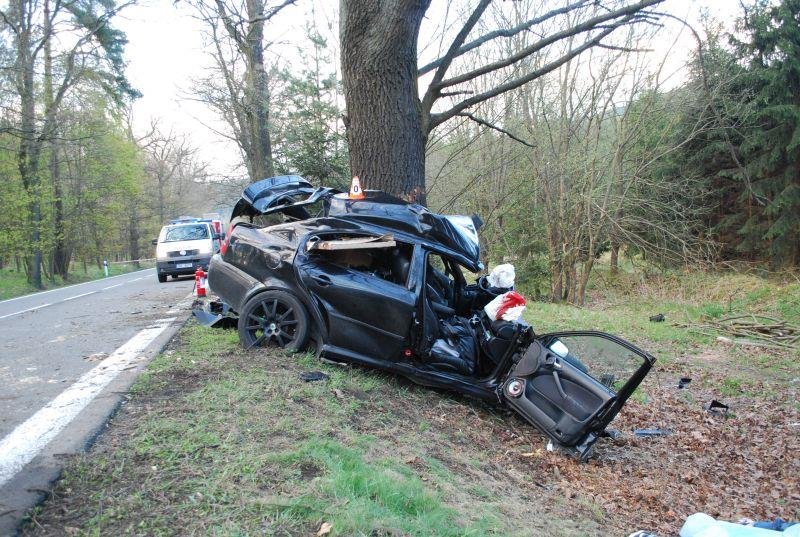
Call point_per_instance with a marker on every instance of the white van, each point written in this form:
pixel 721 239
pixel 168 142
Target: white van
pixel 181 248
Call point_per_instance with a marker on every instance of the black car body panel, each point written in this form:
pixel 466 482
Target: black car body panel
pixel 389 306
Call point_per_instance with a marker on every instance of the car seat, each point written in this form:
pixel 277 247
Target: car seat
pixel 399 265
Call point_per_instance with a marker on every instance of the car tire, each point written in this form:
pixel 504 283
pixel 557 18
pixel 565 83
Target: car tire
pixel 162 278
pixel 273 318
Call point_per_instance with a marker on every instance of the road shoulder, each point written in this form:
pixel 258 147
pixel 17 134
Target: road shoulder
pixel 30 485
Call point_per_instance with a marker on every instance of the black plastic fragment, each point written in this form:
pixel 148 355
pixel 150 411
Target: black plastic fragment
pixel 659 318
pixel 649 433
pixel 313 376
pixel 210 320
pixel 684 382
pixel 715 407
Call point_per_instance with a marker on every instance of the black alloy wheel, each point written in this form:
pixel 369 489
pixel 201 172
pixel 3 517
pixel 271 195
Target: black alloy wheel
pixel 273 318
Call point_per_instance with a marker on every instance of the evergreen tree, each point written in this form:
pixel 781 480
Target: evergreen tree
pixel 771 150
pixel 310 138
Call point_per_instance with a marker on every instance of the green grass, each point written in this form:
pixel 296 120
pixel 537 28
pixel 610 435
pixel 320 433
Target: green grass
pixel 366 498
pixel 233 443
pixel 14 283
pixel 623 304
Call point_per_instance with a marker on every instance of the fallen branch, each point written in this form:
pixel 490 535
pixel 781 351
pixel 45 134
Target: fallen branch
pixel 750 329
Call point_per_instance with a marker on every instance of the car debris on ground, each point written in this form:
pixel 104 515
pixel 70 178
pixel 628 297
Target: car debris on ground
pixel 313 376
pixel 717 408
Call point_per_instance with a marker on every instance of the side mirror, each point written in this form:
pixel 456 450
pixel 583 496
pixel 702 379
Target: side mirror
pixel 154 242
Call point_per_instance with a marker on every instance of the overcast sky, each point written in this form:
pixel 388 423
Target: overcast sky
pixel 166 51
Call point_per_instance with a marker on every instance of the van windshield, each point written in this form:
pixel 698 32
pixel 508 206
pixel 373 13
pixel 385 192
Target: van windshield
pixel 186 233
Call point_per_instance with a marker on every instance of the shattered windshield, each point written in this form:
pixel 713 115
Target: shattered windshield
pixel 186 233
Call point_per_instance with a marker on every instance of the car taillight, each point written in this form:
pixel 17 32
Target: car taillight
pixel 224 247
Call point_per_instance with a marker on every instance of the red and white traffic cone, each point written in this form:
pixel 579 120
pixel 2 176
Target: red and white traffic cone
pixel 199 283
pixel 356 193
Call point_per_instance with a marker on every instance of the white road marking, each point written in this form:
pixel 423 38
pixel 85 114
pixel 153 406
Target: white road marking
pixel 68 298
pixel 73 285
pixel 27 310
pixel 78 296
pixel 29 438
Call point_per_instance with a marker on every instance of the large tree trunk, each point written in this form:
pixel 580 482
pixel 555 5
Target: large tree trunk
pixel 60 259
pixel 258 95
pixel 386 127
pixel 29 146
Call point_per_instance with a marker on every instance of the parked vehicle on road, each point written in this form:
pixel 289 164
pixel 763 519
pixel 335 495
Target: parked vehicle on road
pixel 381 282
pixel 184 246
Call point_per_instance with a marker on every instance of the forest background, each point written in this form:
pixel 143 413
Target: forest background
pixel 623 151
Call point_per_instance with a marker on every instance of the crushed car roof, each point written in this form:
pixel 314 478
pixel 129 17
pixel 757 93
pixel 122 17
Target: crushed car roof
pixel 289 194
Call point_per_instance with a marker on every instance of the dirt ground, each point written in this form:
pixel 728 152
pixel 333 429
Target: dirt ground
pixel 217 440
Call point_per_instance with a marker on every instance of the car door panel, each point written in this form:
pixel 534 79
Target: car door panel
pixel 366 314
pixel 558 393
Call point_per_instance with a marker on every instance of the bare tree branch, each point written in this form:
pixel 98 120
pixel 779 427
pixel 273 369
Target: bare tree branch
pixel 623 49
pixel 230 26
pixel 454 93
pixel 432 93
pixel 8 22
pixel 625 14
pixel 272 12
pixel 492 126
pixel 507 32
pixel 437 119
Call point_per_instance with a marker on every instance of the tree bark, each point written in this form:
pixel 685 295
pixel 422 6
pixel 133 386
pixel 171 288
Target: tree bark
pixel 614 257
pixel 386 128
pixel 133 234
pixel 60 259
pixel 29 148
pixel 258 94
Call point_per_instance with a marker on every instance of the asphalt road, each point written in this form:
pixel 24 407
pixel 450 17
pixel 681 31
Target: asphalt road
pixel 65 355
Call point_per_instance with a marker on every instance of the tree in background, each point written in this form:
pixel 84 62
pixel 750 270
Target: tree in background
pixel 310 136
pixel 238 88
pixel 90 52
pixel 771 150
pixel 172 169
pixel 750 154
pixel 585 175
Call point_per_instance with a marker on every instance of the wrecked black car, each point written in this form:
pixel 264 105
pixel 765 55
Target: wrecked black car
pixel 383 283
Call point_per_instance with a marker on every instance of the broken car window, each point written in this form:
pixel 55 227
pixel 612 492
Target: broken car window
pixel 390 264
pixel 606 361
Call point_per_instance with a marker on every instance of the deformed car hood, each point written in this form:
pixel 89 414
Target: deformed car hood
pixel 290 193
pixel 271 195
